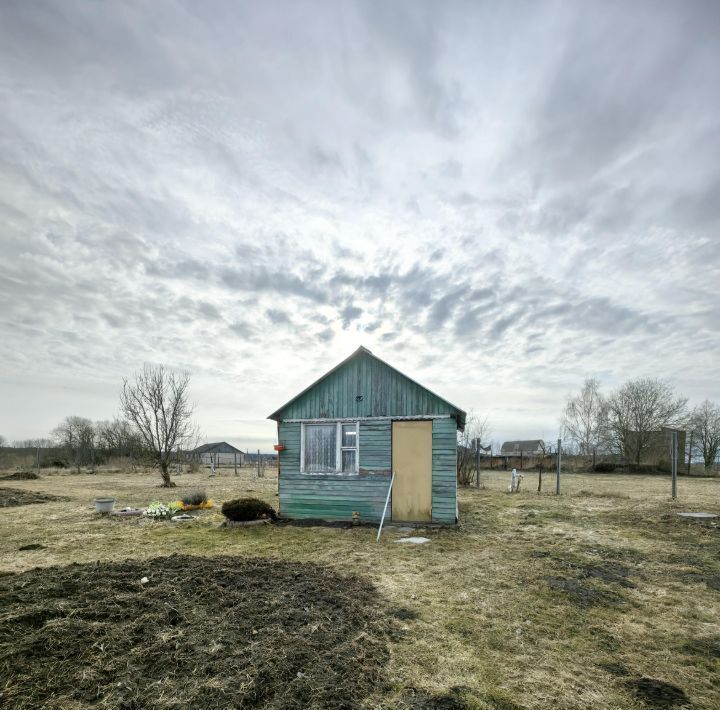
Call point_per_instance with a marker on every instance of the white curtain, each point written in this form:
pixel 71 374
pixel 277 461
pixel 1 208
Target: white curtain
pixel 320 448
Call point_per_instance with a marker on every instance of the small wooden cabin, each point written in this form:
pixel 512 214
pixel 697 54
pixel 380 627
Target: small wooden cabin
pixel 219 453
pixel 343 436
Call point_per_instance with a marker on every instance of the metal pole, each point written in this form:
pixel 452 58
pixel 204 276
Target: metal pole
pixel 559 463
pixel 690 452
pixel 382 520
pixel 674 464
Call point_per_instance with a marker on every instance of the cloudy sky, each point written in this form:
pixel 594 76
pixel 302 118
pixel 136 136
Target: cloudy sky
pixel 500 199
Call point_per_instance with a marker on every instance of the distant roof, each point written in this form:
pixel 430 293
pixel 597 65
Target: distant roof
pixel 527 447
pixel 212 448
pixel 459 414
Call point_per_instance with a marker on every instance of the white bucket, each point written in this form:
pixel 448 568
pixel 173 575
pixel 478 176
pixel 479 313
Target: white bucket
pixel 104 505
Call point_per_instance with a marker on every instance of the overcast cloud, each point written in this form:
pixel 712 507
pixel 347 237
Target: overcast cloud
pixel 500 199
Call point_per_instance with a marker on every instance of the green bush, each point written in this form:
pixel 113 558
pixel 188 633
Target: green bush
pixel 53 463
pixel 604 467
pixel 194 498
pixel 244 509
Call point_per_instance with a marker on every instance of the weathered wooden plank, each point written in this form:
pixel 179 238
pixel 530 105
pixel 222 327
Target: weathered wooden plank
pixel 384 392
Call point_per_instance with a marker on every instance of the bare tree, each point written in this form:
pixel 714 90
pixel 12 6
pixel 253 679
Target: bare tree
pixel 156 403
pixel 584 420
pixel 640 409
pixel 470 439
pixel 3 440
pixel 705 424
pixel 77 436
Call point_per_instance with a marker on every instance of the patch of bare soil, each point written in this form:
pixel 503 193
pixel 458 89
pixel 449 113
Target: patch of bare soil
pixel 658 693
pixel 416 699
pixel 10 497
pixel 711 580
pixel 320 523
pixel 20 476
pixel 614 668
pixel 707 647
pixel 591 583
pixel 212 632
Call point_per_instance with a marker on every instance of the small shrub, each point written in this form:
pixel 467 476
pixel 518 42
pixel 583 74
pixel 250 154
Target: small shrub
pixel 53 463
pixel 244 509
pixel 604 467
pixel 194 498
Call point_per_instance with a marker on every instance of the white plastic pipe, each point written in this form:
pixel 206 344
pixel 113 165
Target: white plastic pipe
pixel 387 500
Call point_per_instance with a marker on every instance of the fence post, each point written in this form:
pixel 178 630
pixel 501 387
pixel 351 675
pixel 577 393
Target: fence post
pixel 559 462
pixel 674 464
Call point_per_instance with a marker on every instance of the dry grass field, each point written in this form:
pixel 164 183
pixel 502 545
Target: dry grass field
pixel 600 598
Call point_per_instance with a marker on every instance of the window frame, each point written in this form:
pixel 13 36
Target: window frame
pixel 339 448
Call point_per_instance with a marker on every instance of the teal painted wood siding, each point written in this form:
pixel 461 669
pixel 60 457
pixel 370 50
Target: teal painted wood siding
pixel 384 392
pixel 332 496
pixel 335 497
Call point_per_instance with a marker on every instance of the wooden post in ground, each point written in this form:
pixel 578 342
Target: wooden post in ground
pixel 235 459
pixel 674 464
pixel 559 463
pixel 477 460
pixel 690 452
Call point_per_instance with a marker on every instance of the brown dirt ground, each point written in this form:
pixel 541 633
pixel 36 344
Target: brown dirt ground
pixel 202 632
pixel 11 497
pixel 600 598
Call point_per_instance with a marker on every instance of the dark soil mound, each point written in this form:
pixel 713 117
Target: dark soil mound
pixel 213 632
pixel 658 693
pixel 20 476
pixel 320 523
pixel 10 497
pixel 247 509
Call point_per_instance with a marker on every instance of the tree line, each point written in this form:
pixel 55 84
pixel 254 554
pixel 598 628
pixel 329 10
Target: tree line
pixel 626 421
pixel 155 422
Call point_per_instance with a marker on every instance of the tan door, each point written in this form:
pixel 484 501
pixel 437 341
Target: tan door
pixel 412 463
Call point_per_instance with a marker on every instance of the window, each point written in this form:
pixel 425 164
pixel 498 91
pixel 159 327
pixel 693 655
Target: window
pixel 349 448
pixel 330 448
pixel 320 448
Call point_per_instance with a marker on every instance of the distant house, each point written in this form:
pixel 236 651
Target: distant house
pixel 531 447
pixel 219 453
pixel 342 438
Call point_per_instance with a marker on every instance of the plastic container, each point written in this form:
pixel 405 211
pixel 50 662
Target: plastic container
pixel 104 505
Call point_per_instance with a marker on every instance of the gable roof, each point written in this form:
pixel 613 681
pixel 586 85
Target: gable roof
pixel 527 446
pixel 455 411
pixel 208 448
